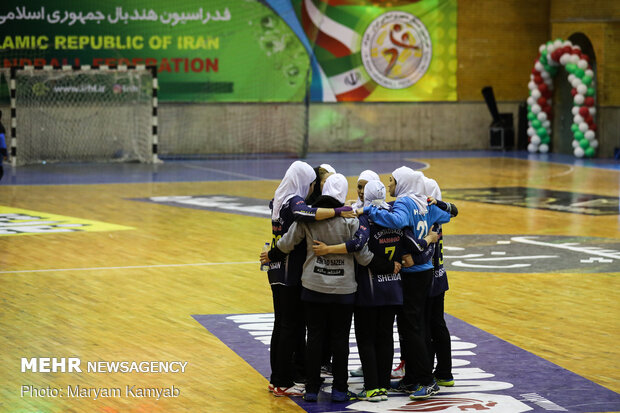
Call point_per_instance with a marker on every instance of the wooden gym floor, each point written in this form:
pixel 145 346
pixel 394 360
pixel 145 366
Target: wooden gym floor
pixel 127 286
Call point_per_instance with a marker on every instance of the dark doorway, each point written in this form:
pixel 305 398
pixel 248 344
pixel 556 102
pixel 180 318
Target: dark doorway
pixel 563 100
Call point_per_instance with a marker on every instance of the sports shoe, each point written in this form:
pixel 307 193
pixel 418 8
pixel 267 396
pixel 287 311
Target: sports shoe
pixel 424 392
pixel 445 382
pixel 288 391
pixel 327 369
pixel 399 371
pixel 399 386
pixel 271 387
pixel 384 394
pixel 357 373
pixel 343 396
pixel 311 397
pixel 369 395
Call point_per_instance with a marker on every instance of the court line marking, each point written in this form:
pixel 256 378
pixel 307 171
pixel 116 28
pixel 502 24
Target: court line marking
pixel 224 172
pixel 130 267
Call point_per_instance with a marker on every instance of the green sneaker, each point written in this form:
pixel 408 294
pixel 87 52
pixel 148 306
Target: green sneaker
pixel 384 394
pixel 445 382
pixel 370 395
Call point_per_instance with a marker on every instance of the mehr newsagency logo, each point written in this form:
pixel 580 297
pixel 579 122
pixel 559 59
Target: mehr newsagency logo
pixel 396 50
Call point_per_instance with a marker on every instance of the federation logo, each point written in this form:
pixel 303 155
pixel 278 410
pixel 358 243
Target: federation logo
pixel 396 50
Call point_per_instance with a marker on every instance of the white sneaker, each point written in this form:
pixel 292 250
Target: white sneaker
pixel 288 391
pixel 357 373
pixel 399 371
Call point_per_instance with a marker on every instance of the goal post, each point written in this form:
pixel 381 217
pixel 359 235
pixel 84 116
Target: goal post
pixel 83 114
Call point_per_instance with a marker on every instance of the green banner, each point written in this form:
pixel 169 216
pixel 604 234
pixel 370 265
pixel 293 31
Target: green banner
pixel 220 50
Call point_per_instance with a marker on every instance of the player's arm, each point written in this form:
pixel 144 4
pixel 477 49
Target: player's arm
pixel 360 238
pixel 444 206
pixel 398 217
pixel 305 213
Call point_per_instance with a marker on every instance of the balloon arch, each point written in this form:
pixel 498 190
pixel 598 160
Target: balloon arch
pixel 581 77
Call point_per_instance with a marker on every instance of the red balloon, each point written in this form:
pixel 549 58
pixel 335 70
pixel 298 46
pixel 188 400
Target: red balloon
pixel 543 88
pixel 589 101
pixel 538 79
pixel 542 101
pixel 573 91
pixel 547 110
pixel 535 72
pixel 588 118
pixel 546 93
pixel 556 55
pixel 585 57
pixel 576 51
pixel 593 127
pixel 567 49
pixel 584 112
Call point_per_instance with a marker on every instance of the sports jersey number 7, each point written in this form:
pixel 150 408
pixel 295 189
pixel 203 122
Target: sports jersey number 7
pixel 389 251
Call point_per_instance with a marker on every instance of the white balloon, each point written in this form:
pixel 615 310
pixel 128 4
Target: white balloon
pixel 576 82
pixel 582 64
pixel 592 110
pixel 564 59
pixel 547 124
pixel 536 93
pixel 589 72
pixel 539 66
pixel 549 83
pixel 567 43
pixel 575 110
pixel 574 58
pixel 545 75
pixel 532 148
pixel 535 140
pixel 531 101
pixel 531 131
pixel 536 109
pixel 594 143
pixel 582 89
pixel 589 134
pixel 575 143
pixel 579 152
pixel 577 119
pixel 578 99
pixel 542 116
pixel 583 127
pixel 544 148
pixel 532 85
pixel 542 48
pixel 570 78
pixel 557 43
pixel 576 46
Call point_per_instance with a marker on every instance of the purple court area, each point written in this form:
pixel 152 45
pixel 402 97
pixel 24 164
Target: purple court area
pixel 253 168
pixel 491 375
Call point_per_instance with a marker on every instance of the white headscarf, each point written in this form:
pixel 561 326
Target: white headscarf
pixel 296 182
pixel 337 187
pixel 374 194
pixel 410 183
pixel 432 188
pixel 328 168
pixel 367 176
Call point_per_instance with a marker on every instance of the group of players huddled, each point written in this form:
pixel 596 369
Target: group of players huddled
pixel 331 258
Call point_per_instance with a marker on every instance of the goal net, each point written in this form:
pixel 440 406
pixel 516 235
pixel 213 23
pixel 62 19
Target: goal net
pixel 83 114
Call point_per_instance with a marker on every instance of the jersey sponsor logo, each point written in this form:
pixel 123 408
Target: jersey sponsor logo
pixel 530 254
pixel 491 375
pixel 16 221
pixel 539 198
pixel 218 203
pixel 332 272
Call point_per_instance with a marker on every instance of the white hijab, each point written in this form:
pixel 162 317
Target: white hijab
pixel 367 176
pixel 296 182
pixel 328 168
pixel 337 187
pixel 432 188
pixel 410 183
pixel 374 194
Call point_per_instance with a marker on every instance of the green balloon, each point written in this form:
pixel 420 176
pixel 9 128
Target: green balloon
pixel 574 127
pixel 571 67
pixel 543 59
pixel 590 91
pixel 579 72
pixel 584 143
pixel 589 152
pixel 531 116
pixel 536 124
pixel 542 132
pixel 578 135
pixel 546 140
pixel 586 80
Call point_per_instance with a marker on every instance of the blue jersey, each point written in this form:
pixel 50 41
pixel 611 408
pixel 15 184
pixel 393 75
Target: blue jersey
pixel 405 213
pixel 440 278
pixel 381 289
pixel 288 271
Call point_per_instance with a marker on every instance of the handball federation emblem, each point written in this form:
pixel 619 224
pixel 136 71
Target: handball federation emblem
pixel 396 50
